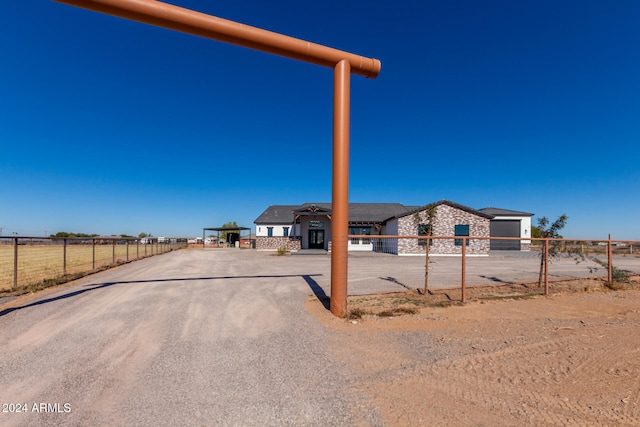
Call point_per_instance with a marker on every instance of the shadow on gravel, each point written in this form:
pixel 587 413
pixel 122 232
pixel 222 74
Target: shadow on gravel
pixel 317 290
pixel 396 281
pixel 60 297
pixel 203 278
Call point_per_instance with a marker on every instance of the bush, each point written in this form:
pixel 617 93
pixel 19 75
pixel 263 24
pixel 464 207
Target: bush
pixel 282 251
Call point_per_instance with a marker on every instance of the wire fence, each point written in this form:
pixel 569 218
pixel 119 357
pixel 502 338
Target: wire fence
pixel 468 264
pixel 30 261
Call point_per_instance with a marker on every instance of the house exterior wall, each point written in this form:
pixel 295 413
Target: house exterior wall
pixel 264 243
pixel 444 222
pixel 388 246
pixel 277 240
pixel 278 230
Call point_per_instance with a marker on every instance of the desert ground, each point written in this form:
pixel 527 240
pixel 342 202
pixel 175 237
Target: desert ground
pixel 568 359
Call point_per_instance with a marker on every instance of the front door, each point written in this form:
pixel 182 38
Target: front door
pixel 316 239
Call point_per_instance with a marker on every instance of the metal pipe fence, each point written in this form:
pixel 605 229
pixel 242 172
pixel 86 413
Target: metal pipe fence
pixel 29 261
pixel 456 264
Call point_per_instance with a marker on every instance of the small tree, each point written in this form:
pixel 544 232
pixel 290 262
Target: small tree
pixel 426 229
pixel 549 232
pixel 231 226
pixel 142 235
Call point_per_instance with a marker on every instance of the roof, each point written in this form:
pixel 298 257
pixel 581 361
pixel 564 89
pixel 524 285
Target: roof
pixel 277 214
pixel 358 212
pixel 369 212
pixel 226 228
pixel 453 205
pixel 504 212
pixel 375 212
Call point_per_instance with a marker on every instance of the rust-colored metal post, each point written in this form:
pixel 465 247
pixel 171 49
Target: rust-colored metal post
pixel 340 202
pixel 15 263
pixel 64 257
pixel 609 260
pixel 127 243
pixel 113 251
pixel 426 265
pixel 464 267
pixel 546 266
pixel 93 254
pixel 344 63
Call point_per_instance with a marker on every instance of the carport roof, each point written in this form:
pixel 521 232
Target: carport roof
pixel 226 228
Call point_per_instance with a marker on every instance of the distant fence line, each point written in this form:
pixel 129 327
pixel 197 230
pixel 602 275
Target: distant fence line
pixel 380 264
pixel 26 261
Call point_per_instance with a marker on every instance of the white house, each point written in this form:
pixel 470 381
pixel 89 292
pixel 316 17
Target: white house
pixel 308 226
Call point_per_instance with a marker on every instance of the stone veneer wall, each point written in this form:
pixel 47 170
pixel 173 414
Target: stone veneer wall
pixel 444 222
pixel 264 243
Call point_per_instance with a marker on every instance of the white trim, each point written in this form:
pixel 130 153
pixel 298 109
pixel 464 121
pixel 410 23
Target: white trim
pixel 445 255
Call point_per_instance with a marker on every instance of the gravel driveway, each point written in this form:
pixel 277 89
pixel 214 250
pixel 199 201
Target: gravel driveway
pixel 205 337
pixel 194 337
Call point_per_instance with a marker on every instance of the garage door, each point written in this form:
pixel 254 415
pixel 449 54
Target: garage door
pixel 505 228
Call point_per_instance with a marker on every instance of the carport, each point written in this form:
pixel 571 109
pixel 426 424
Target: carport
pixel 223 229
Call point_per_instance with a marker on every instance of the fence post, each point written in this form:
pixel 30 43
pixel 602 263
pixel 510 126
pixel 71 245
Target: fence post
pixel 609 261
pixel 546 266
pixel 464 267
pixel 15 263
pixel 113 251
pixel 127 243
pixel 426 265
pixel 64 256
pixel 137 249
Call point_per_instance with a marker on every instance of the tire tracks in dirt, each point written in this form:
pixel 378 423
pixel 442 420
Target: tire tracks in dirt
pixel 565 362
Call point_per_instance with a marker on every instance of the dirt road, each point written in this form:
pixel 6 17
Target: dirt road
pixel 217 338
pixel 187 338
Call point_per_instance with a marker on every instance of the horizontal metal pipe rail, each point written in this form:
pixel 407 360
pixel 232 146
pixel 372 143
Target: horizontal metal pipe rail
pixel 545 248
pixel 200 24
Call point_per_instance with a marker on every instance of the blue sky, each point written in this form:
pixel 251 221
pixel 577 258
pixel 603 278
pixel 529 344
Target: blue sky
pixel 110 126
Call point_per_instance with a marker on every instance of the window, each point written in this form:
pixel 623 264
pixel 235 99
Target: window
pixel 461 230
pixel 424 230
pixel 270 231
pixel 366 231
pixel 285 231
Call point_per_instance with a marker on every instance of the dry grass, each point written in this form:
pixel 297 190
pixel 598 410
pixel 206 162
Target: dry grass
pixel 38 263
